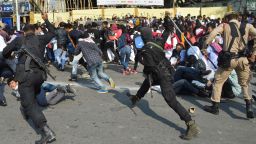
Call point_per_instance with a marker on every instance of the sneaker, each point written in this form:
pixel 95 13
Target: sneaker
pixel 126 72
pixel 112 83
pixel 134 71
pixel 1 80
pixel 73 78
pixel 85 75
pixel 3 102
pixel 102 91
pixel 70 89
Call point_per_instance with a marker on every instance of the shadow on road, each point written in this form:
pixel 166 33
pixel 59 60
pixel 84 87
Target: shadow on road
pixel 143 105
pixel 225 106
pixel 114 67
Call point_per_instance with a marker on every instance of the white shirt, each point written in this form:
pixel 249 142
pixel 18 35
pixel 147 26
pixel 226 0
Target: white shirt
pixel 213 57
pixel 2 44
pixel 194 50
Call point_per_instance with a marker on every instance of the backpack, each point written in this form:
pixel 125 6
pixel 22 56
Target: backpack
pixel 138 42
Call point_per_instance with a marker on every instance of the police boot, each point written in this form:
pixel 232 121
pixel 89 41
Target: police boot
pixel 214 109
pixel 48 136
pixel 249 109
pixel 192 130
pixel 134 99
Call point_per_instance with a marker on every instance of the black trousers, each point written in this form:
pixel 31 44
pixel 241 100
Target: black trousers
pixel 164 80
pixel 137 59
pixel 28 89
pixel 105 47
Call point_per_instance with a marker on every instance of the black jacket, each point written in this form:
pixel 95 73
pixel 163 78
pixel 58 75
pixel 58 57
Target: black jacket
pixel 152 56
pixel 61 37
pixel 16 44
pixel 36 44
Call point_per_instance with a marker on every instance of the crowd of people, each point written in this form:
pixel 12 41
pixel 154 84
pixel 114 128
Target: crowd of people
pixel 181 55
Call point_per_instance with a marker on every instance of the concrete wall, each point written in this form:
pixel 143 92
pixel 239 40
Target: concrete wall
pixel 118 12
pixel 57 17
pixel 93 13
pixel 108 13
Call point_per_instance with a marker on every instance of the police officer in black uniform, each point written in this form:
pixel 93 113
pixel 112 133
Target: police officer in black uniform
pixel 158 71
pixel 30 76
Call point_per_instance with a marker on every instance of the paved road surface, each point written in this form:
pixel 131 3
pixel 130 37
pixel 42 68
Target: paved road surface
pixel 94 118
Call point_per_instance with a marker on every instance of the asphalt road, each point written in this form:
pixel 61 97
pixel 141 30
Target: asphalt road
pixel 94 118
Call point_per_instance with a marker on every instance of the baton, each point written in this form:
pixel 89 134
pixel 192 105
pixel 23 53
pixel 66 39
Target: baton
pixel 33 3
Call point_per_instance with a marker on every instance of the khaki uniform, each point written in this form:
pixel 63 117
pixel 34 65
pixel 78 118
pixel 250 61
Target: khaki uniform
pixel 241 65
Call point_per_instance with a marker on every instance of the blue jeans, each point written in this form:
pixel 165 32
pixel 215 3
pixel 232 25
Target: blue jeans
pixel 50 54
pixel 48 87
pixel 96 72
pixel 2 92
pixel 61 57
pixel 182 86
pixel 70 48
pixel 187 73
pixel 125 54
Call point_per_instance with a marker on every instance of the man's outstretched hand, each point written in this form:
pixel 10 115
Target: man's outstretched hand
pixel 44 16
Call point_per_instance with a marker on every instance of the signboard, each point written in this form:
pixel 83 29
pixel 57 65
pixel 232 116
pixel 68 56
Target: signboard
pixel 6 8
pixel 23 7
pixel 251 5
pixel 131 2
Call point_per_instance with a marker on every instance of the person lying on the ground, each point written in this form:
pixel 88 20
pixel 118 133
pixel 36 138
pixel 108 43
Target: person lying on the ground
pixel 49 95
pixel 190 74
pixel 183 86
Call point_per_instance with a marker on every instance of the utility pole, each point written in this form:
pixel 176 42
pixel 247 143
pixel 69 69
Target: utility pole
pixel 17 15
pixel 200 12
pixel 174 7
